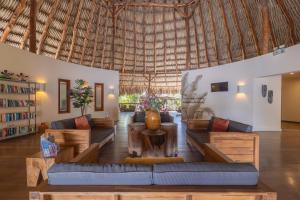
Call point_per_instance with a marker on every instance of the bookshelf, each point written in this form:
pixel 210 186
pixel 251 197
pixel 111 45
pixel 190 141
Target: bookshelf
pixel 18 108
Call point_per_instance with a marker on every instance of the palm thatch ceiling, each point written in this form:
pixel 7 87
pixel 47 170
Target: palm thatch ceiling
pixel 151 41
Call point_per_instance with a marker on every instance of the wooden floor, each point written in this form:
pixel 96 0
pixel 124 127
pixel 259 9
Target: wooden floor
pixel 280 160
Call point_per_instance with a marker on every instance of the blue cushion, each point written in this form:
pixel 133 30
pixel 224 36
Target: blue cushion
pixel 93 174
pixel 205 174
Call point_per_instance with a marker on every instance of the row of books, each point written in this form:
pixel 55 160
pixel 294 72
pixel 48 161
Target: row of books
pixel 8 103
pixel 13 89
pixel 8 117
pixel 16 130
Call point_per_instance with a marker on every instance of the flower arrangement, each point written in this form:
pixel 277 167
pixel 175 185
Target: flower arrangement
pixel 82 95
pixel 152 102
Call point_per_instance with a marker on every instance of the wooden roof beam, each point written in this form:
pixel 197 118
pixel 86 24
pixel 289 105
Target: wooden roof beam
pixel 88 30
pixel 96 37
pixel 165 45
pixel 104 39
pixel 196 41
pixel 124 42
pixel 154 4
pixel 204 33
pixel 154 43
pixel 9 26
pixel 238 27
pixel 27 32
pixel 188 42
pixel 134 36
pixel 32 26
pixel 221 5
pixel 65 28
pixel 75 30
pixel 265 26
pixel 214 31
pixel 47 25
pixel 114 17
pixel 175 49
pixel 144 44
pixel 289 20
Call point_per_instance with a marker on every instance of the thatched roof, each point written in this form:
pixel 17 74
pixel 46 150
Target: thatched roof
pixel 140 37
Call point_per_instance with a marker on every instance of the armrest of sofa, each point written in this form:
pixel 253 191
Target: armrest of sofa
pixel 80 139
pixel 238 146
pixel 89 155
pixel 197 124
pixel 103 122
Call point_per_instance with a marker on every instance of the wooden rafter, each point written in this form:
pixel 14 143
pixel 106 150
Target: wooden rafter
pixel 154 42
pixel 196 41
pixel 266 26
pixel 47 25
pixel 9 26
pixel 154 4
pixel 175 49
pixel 251 25
pixel 165 45
pixel 124 41
pixel 65 28
pixel 204 33
pixel 104 39
pixel 188 40
pixel 214 30
pixel 88 30
pixel 74 35
pixel 32 26
pixel 289 20
pixel 144 43
pixel 238 27
pixel 134 46
pixel 96 36
pixel 114 17
pixel 228 36
pixel 27 32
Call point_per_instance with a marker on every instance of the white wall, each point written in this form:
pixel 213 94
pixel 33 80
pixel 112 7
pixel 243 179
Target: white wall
pixel 290 99
pixel 49 70
pixel 241 107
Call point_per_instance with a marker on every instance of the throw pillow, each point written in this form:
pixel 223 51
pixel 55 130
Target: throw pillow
pixel 220 125
pixel 82 123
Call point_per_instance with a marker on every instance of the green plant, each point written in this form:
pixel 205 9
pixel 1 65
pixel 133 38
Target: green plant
pixel 82 95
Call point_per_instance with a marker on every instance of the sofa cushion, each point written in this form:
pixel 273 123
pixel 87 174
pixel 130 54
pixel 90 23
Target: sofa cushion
pixel 198 136
pixel 95 174
pixel 139 117
pixel 89 118
pixel 205 174
pixel 239 127
pixel 63 124
pixel 98 134
pixel 165 117
pixel 220 125
pixel 82 123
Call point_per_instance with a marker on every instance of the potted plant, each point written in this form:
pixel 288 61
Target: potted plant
pixel 82 95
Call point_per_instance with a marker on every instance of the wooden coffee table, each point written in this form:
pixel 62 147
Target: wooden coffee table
pixel 154 143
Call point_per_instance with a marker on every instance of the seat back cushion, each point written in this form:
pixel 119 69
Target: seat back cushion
pixel 82 123
pixel 63 124
pixel 220 125
pixel 165 117
pixel 139 117
pixel 239 127
pixel 96 174
pixel 205 174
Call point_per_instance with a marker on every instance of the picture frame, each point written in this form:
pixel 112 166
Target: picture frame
pixel 63 96
pixel 99 96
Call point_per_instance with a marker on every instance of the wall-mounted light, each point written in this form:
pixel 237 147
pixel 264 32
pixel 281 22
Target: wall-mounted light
pixel 241 88
pixel 41 87
pixel 111 90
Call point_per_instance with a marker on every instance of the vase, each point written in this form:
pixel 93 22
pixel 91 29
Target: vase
pixel 152 119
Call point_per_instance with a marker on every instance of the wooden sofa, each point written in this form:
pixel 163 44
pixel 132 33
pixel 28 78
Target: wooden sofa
pixel 238 146
pixel 162 192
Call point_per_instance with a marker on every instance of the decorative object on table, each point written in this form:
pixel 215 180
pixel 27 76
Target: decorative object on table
pixel 48 146
pixel 193 100
pixel 152 119
pixel 264 90
pixel 63 96
pixel 42 127
pixel 82 95
pixel 99 97
pixel 270 96
pixel 6 75
pixel 22 77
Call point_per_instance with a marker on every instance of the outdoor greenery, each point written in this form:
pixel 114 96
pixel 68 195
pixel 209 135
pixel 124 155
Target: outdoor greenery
pixel 82 95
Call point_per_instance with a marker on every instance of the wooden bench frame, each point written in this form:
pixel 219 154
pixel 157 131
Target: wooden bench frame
pixel 159 192
pixel 240 147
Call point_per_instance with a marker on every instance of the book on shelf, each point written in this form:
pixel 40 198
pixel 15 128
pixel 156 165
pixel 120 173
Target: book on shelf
pixel 12 103
pixel 16 130
pixel 13 89
pixel 9 117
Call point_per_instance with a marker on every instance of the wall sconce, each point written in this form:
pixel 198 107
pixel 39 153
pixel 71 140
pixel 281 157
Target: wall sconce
pixel 41 87
pixel 111 90
pixel 241 88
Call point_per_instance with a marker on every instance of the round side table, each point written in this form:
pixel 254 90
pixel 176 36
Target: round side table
pixel 154 142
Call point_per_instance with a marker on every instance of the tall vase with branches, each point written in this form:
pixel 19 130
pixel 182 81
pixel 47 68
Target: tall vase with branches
pixel 82 95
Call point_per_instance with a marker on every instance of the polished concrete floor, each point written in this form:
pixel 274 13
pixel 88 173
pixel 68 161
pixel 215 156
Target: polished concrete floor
pixel 279 157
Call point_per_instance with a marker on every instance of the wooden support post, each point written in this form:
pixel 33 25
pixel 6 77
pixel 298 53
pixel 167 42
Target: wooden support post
pixel 96 37
pixel 188 42
pixel 65 28
pixel 19 10
pixel 47 24
pixel 251 25
pixel 204 34
pixel 238 27
pixel 32 25
pixel 88 30
pixel 221 5
pixel 214 31
pixel 27 32
pixel 75 30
